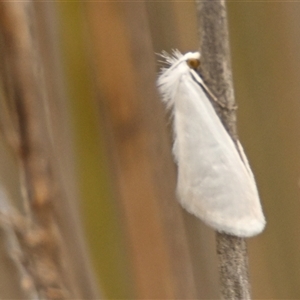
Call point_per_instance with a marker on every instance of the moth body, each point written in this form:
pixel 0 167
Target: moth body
pixel 215 182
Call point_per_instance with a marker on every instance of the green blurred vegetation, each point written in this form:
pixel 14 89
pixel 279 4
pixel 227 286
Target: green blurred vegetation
pixel 102 226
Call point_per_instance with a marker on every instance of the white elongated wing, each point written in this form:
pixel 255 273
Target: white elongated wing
pixel 214 183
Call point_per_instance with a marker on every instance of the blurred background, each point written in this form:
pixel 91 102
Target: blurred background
pixel 112 141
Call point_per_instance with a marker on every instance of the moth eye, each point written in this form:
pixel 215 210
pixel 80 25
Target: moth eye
pixel 193 63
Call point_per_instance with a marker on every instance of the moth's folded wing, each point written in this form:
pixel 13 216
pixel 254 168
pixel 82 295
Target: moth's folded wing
pixel 213 181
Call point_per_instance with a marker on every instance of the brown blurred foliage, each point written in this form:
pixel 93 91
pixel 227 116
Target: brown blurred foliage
pixel 112 144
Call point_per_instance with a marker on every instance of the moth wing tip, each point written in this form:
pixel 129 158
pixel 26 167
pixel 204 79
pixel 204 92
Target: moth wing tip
pixel 242 228
pixel 250 231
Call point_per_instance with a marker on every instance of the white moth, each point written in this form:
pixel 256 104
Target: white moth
pixel 214 182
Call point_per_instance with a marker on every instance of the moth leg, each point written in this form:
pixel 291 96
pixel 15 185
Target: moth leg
pixel 214 98
pixel 209 93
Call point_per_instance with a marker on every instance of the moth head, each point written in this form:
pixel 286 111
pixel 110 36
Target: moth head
pixel 193 60
pixel 193 63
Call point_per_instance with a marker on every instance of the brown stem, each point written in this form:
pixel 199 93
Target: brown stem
pixel 216 73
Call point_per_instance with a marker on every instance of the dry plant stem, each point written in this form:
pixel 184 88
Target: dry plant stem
pixel 80 273
pixel 216 72
pixel 11 222
pixel 22 75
